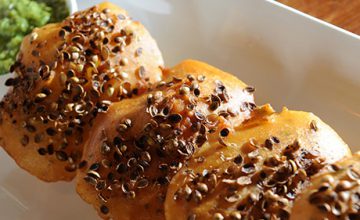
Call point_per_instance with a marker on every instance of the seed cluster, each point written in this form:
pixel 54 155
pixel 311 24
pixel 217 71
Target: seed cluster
pixel 272 180
pixel 177 125
pixel 88 67
pixel 338 193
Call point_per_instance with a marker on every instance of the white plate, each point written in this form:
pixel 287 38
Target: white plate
pixel 72 5
pixel 292 59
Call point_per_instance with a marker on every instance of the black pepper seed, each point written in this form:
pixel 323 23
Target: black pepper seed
pixel 51 131
pixel 166 111
pixel 175 118
pixel 82 164
pixel 248 168
pixel 241 207
pixel 25 140
pixel 134 175
pixel 41 109
pixel 104 209
pixel 121 168
pixel 196 92
pixel 141 142
pixel 214 105
pixel 67 28
pixel 262 175
pixel 111 177
pixel 38 138
pixel 313 126
pixel 117 141
pixel 335 167
pixel 68 131
pixel 238 160
pixel 9 82
pixel 200 140
pixel 283 214
pixel 268 144
pixel 62 33
pixel 162 180
pixel 12 68
pixel 46 91
pixel 35 53
pixel 61 155
pixel 30 128
pixel 275 140
pixel 250 89
pixel 324 187
pixel 117 156
pixel 116 49
pixel 50 149
pixel 106 40
pixel 354 216
pixel 224 132
pixel 42 151
pixel 94 166
pixel 100 185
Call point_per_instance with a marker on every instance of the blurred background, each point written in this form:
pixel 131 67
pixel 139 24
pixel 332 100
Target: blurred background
pixel 342 13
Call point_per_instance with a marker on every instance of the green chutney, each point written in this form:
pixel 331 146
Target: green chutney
pixel 18 18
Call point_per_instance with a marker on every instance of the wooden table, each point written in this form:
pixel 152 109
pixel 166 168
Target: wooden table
pixel 342 13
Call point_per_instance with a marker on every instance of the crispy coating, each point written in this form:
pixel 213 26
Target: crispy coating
pixel 266 162
pixel 66 75
pixel 134 150
pixel 334 194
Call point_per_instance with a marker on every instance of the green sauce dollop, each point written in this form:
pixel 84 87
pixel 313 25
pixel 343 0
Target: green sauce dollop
pixel 18 18
pixel 59 9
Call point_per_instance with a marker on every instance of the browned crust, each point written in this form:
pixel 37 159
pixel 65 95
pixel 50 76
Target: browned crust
pixel 231 191
pixel 148 203
pixel 342 181
pixel 44 79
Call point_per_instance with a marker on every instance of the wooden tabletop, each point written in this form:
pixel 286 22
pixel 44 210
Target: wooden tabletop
pixel 342 13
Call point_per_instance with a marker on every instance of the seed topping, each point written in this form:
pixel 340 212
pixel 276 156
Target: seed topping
pixel 90 74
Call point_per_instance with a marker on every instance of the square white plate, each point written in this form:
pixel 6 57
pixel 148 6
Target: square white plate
pixel 292 59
